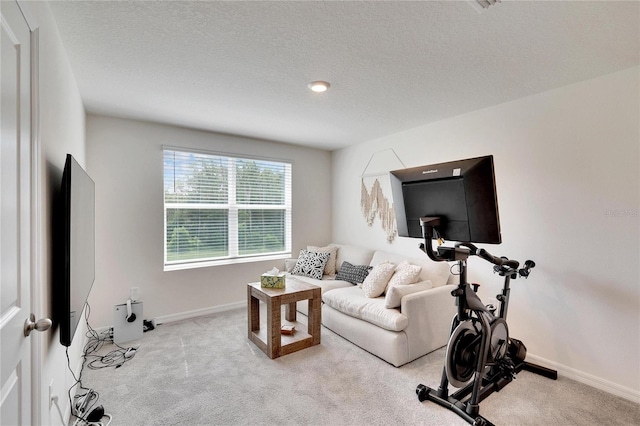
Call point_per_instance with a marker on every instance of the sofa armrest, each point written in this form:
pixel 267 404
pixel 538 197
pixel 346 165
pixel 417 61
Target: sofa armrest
pixel 429 313
pixel 289 264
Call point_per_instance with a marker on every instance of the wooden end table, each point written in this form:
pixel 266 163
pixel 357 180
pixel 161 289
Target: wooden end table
pixel 271 341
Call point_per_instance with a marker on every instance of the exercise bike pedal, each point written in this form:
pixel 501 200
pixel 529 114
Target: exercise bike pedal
pixel 481 421
pixel 423 392
pixel 508 369
pixel 491 308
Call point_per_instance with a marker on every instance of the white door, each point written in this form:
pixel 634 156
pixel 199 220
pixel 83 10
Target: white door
pixel 15 217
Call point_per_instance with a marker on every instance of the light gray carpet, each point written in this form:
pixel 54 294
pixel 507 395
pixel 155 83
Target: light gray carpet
pixel 204 371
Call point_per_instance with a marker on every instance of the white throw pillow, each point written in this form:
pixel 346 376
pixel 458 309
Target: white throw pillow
pixel 377 280
pixel 405 273
pixel 330 267
pixel 396 293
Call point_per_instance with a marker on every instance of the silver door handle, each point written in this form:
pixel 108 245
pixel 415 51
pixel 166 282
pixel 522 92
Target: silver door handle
pixel 30 324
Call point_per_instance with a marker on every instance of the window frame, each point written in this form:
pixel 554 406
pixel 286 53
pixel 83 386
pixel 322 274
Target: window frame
pixel 233 256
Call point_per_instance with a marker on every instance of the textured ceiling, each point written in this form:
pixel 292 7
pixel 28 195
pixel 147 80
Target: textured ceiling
pixel 243 67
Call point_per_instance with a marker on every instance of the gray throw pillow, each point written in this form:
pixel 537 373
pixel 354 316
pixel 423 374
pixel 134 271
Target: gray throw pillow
pixel 355 274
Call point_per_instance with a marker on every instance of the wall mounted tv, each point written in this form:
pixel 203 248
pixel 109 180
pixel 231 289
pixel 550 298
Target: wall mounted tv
pixel 461 193
pixel 76 248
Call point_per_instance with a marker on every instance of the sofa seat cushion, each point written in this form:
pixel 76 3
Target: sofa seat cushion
pixel 352 301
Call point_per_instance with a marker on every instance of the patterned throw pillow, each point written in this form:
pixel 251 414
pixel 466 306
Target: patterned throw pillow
pixel 376 281
pixel 310 264
pixel 355 274
pixel 405 273
pixel 330 267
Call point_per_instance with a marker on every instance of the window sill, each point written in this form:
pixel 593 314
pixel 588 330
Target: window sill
pixel 222 262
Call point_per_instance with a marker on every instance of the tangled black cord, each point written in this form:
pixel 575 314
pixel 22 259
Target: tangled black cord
pixel 82 390
pixel 96 340
pixel 117 357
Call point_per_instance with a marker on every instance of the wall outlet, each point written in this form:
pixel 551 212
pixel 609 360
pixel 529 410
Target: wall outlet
pixel 134 293
pixel 52 399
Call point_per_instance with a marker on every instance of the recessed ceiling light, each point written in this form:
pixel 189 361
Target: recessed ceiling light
pixel 319 86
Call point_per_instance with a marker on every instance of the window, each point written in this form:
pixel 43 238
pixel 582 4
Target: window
pixel 220 209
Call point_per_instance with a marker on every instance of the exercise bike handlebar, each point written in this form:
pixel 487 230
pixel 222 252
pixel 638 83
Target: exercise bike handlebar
pixel 528 265
pixel 499 261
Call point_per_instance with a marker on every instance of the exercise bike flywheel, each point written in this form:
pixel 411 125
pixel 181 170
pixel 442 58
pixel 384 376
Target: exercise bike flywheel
pixel 462 354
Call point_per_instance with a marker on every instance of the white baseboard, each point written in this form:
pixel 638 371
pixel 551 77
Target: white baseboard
pixel 588 379
pixel 199 312
pixel 163 319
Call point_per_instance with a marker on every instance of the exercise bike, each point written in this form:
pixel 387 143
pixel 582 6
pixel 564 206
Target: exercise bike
pixel 480 357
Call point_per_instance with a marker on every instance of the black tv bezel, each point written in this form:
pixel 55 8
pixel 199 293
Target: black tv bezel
pixel 72 172
pixel 478 178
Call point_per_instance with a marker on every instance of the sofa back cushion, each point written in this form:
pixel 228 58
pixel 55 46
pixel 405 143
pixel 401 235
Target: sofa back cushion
pixel 436 272
pixel 330 267
pixel 352 254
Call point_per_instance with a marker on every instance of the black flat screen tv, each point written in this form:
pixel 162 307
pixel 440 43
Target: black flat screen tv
pixel 76 245
pixel 462 194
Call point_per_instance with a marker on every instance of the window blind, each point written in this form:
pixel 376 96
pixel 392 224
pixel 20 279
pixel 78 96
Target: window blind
pixel 220 207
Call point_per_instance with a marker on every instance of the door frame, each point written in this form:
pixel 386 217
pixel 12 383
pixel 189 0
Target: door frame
pixel 36 215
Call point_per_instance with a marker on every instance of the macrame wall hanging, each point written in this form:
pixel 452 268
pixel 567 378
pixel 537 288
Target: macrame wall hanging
pixel 375 197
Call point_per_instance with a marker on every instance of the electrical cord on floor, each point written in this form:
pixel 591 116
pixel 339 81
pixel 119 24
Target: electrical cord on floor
pixel 78 384
pixel 116 358
pixel 86 399
pixel 96 340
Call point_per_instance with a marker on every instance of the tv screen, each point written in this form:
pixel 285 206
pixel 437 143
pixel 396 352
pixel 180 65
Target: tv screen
pixel 77 239
pixel 461 193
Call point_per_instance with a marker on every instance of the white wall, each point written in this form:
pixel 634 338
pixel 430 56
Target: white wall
pixel 567 164
pixel 125 161
pixel 563 159
pixel 62 131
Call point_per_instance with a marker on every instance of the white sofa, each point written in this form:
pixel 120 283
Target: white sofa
pixel 398 335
